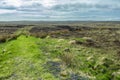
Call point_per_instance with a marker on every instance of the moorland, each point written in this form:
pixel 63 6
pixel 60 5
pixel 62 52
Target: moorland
pixel 60 50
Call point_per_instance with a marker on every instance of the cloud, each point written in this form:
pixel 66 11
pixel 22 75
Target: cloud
pixel 60 9
pixel 4 11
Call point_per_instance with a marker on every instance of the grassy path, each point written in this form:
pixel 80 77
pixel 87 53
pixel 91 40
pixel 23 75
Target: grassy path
pixel 19 62
pixel 30 58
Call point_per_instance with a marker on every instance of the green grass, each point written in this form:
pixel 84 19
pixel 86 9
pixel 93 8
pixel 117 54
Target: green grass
pixel 30 58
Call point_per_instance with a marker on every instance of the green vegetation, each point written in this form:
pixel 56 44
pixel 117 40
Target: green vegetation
pixel 30 58
pixel 64 51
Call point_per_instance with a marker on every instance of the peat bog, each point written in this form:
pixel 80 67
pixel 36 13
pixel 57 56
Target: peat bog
pixel 60 51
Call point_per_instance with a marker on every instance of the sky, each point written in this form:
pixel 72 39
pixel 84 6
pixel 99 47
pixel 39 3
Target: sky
pixel 60 10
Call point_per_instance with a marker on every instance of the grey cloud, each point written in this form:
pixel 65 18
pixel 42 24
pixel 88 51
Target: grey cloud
pixel 4 6
pixel 68 9
pixel 80 6
pixel 31 8
pixel 8 7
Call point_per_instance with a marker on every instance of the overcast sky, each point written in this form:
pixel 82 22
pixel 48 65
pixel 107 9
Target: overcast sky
pixel 59 10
